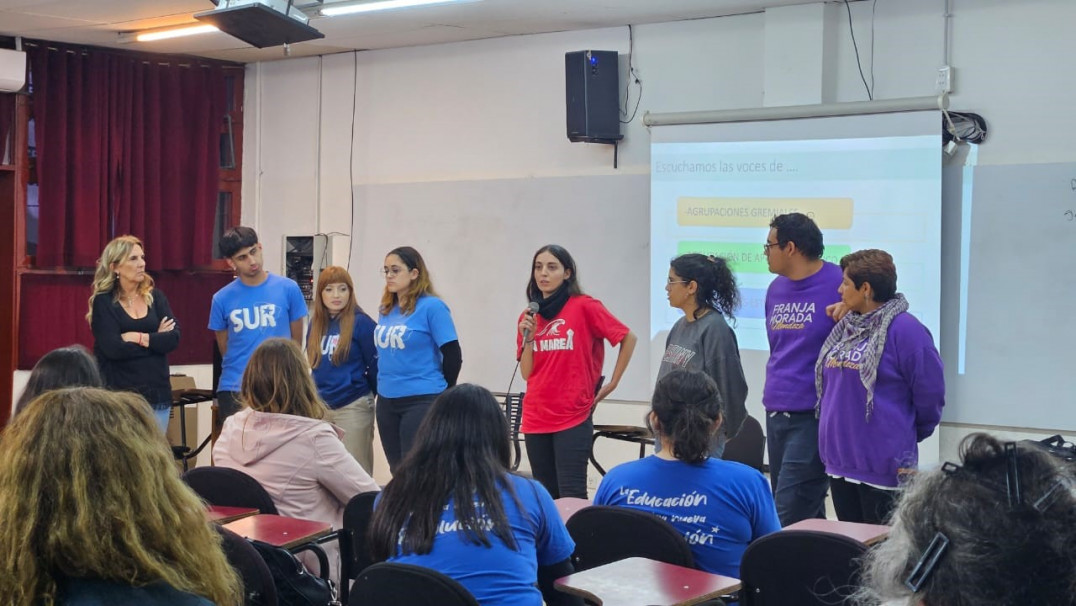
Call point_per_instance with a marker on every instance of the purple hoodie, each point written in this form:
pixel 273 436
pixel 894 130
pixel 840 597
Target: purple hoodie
pixel 908 398
pixel 797 326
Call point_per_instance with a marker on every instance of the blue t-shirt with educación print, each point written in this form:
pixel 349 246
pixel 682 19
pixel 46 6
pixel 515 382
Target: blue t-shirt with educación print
pixel 719 506
pixel 497 575
pixel 409 349
pixel 252 314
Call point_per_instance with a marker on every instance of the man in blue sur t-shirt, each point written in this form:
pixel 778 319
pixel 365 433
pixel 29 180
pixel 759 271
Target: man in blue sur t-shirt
pixel 256 307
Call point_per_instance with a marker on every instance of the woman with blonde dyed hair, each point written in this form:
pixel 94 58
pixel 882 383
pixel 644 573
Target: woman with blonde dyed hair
pixel 340 349
pixel 418 353
pixel 77 533
pixel 281 440
pixel 133 327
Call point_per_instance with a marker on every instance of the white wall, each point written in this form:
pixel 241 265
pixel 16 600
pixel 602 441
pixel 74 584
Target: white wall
pixel 493 109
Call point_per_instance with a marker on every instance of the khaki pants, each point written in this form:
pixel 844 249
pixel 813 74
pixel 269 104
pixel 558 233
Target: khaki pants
pixel 357 421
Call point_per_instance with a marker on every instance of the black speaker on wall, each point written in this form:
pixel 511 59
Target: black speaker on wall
pixel 592 83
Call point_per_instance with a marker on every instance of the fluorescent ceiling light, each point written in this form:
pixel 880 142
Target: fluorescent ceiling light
pixel 379 5
pixel 150 35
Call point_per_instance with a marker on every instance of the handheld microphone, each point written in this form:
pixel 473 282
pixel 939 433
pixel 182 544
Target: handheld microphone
pixel 532 308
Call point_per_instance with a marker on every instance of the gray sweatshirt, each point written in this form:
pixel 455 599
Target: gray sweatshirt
pixel 708 344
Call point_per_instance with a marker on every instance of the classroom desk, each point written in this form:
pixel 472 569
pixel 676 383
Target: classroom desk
pixel 644 582
pixel 279 530
pixel 223 515
pixel 868 534
pixel 626 433
pixel 567 506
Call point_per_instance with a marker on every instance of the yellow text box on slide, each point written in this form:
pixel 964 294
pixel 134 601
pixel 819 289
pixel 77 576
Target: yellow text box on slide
pixel 828 213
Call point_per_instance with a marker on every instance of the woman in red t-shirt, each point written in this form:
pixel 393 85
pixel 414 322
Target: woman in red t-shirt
pixel 561 353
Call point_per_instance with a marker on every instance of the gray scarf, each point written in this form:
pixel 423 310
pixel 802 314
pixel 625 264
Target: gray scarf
pixel 848 334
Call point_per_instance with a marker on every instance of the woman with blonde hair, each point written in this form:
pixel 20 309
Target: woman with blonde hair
pixel 133 326
pixel 340 349
pixel 281 440
pixel 418 353
pixel 76 531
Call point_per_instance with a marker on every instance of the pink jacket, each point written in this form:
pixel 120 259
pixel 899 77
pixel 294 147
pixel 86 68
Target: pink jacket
pixel 301 462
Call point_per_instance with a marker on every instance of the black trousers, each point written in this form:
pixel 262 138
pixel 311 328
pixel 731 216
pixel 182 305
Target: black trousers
pixel 227 405
pixel 860 502
pixel 397 423
pixel 559 460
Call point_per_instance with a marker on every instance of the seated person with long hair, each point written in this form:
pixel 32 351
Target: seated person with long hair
pixel 719 506
pixel 95 513
pixel 997 531
pixel 280 439
pixel 71 366
pixel 453 506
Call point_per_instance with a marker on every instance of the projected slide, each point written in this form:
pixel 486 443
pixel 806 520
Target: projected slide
pixel 719 198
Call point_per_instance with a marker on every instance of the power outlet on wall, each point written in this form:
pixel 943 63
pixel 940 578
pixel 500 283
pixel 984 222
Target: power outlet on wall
pixel 944 83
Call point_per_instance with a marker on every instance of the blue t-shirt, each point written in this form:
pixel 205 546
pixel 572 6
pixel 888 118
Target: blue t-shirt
pixel 252 314
pixel 343 384
pixel 497 575
pixel 719 506
pixel 409 349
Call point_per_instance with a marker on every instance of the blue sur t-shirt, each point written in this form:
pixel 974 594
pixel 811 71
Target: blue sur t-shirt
pixel 497 575
pixel 252 314
pixel 409 349
pixel 719 506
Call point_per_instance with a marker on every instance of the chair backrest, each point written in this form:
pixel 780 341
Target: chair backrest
pixel 229 488
pixel 802 567
pixel 357 514
pixel 604 534
pixel 513 411
pixel 748 446
pixel 387 583
pixel 258 586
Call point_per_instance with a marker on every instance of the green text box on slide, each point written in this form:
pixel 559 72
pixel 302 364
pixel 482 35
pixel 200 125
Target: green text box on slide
pixel 748 257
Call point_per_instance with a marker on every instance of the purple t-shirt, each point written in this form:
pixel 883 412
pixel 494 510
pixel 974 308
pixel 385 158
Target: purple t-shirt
pixel 797 326
pixel 909 394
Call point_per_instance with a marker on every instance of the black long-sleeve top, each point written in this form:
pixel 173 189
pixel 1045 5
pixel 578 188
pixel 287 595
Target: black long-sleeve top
pixel 129 366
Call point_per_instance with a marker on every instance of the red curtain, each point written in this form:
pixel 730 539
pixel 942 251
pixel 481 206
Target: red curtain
pixel 53 313
pixel 126 143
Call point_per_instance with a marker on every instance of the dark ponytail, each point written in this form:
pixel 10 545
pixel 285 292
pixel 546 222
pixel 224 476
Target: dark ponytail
pixel 717 287
pixel 687 404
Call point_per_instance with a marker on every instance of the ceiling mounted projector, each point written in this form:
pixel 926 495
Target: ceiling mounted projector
pixel 261 23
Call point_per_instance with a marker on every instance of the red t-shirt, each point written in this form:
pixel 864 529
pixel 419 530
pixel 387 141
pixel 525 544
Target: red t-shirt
pixel 568 357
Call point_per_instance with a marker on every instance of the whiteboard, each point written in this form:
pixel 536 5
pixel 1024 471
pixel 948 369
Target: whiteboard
pixel 1020 335
pixel 478 238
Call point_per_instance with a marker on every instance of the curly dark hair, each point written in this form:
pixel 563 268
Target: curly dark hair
pixel 688 406
pixel 717 286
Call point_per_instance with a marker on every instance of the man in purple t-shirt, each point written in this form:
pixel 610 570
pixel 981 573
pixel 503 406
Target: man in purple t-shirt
pixel 796 325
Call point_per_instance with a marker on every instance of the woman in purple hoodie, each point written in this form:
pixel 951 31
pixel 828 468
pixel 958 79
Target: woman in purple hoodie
pixel 881 390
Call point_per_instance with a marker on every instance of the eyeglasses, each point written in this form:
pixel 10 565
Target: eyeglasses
pixel 671 281
pixel 767 246
pixel 390 271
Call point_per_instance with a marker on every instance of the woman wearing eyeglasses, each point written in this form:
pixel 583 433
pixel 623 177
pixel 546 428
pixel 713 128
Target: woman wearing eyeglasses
pixel 561 349
pixel 418 352
pixel 705 290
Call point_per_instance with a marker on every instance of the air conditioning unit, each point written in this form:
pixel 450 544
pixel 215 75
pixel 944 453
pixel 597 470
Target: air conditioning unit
pixel 12 70
pixel 261 23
